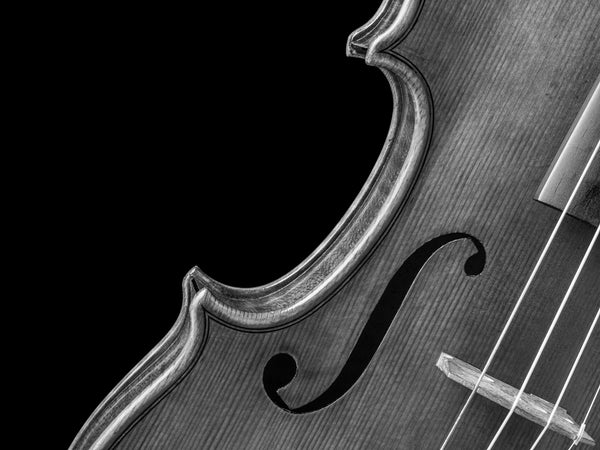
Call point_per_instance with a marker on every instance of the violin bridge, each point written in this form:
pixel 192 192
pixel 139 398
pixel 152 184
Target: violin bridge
pixel 530 406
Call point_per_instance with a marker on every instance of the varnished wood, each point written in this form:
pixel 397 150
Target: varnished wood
pixel 491 90
pixel 303 289
pixel 530 406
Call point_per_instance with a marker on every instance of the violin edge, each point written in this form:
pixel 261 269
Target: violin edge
pixel 388 26
pixel 296 294
pixel 153 377
pixel 374 209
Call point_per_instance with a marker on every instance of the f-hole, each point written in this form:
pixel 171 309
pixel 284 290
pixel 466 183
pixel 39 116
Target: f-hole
pixel 281 369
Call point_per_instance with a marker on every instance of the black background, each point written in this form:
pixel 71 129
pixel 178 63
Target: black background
pixel 231 137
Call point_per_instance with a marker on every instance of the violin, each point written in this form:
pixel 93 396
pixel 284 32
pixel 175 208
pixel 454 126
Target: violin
pixel 455 304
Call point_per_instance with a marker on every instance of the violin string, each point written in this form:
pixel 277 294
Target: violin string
pixel 568 380
pixel 546 339
pixel 519 301
pixel 583 423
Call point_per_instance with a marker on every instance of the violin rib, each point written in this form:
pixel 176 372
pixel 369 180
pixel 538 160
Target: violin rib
pixel 309 285
pixel 341 351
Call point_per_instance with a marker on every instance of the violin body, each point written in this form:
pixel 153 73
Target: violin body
pixel 431 258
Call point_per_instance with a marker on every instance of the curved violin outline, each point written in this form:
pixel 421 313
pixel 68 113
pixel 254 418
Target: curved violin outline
pixel 317 278
pixel 281 369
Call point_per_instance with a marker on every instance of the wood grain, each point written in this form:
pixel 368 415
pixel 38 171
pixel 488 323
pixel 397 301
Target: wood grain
pixel 302 290
pixel 505 81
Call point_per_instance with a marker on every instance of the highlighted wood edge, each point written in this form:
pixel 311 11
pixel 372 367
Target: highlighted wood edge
pixel 530 406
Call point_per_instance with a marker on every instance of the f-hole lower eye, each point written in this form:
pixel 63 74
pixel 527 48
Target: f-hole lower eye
pixel 279 371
